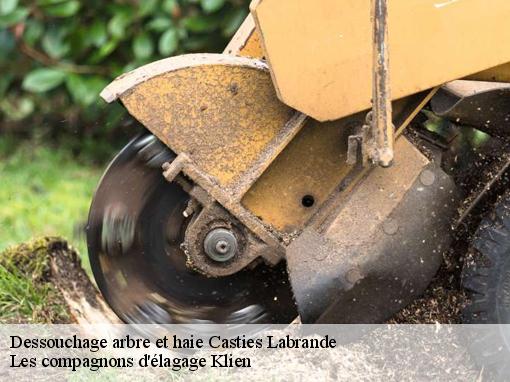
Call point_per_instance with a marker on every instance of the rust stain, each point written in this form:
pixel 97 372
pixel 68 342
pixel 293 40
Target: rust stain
pixel 222 116
pixel 253 46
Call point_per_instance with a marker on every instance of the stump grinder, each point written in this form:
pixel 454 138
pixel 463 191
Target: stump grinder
pixel 281 178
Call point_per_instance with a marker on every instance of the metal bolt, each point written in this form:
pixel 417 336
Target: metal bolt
pixel 427 178
pixel 353 276
pixel 220 245
pixel 190 208
pixel 390 227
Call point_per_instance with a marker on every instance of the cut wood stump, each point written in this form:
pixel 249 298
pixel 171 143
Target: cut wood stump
pixel 65 294
pixel 86 305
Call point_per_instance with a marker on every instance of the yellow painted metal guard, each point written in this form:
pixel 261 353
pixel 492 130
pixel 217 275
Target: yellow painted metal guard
pixel 324 68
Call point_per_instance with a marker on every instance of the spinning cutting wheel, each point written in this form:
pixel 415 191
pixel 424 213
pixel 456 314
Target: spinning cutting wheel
pixel 136 226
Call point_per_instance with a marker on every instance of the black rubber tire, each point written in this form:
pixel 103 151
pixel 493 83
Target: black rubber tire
pixel 486 279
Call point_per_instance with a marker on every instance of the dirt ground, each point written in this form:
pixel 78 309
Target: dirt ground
pixel 444 299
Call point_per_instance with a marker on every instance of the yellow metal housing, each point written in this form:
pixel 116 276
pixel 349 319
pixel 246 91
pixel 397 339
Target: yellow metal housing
pixel 320 52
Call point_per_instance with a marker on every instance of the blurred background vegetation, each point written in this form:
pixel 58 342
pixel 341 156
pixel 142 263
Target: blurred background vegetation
pixel 56 135
pixel 57 55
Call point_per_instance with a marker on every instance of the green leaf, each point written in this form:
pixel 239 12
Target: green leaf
pixel 183 33
pixel 67 9
pixel 85 90
pixel 159 24
pixel 143 46
pixel 168 42
pixel 200 23
pixel 77 38
pixel 5 82
pixel 169 6
pixel 17 109
pixel 53 43
pixel 43 80
pixel 210 6
pixel 104 51
pixel 146 7
pixel 97 34
pixel 118 24
pixel 7 6
pixel 13 18
pixel 33 31
pixel 49 2
pixel 7 44
pixel 232 21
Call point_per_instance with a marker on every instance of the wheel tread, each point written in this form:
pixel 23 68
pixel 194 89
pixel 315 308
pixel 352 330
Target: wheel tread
pixel 481 277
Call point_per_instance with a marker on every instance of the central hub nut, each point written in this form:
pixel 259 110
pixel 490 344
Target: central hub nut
pixel 220 245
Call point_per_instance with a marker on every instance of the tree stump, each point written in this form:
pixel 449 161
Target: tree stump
pixel 52 271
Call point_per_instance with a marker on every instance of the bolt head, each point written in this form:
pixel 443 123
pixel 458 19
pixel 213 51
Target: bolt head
pixel 390 227
pixel 427 178
pixel 220 245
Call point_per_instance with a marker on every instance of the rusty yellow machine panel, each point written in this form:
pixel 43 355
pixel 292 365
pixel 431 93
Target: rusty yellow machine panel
pixel 320 52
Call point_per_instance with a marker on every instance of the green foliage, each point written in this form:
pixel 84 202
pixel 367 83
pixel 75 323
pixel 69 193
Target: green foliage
pixel 57 55
pixel 168 42
pixel 43 80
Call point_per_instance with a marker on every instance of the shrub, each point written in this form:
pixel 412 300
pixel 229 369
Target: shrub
pixel 57 55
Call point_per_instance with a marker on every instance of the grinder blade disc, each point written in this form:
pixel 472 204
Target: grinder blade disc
pixel 134 232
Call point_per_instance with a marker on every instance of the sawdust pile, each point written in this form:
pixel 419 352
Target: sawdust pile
pixel 444 299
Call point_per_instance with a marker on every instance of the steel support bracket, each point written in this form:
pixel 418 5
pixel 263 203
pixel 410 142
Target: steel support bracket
pixel 375 139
